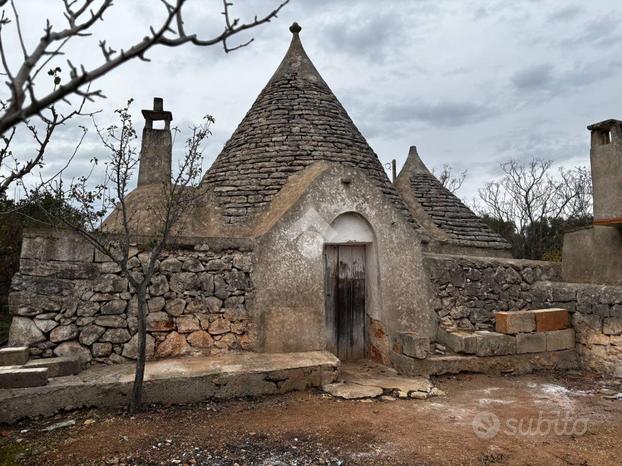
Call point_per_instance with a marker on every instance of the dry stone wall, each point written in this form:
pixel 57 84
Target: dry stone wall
pixel 69 300
pixel 470 289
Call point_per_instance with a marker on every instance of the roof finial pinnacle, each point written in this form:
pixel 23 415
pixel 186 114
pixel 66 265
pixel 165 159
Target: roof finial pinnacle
pixel 295 28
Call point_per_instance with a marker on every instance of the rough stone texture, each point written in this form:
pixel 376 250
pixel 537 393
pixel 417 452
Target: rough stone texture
pixel 130 349
pixel 295 121
pixel 530 343
pixel 458 341
pixel 560 340
pixel 94 312
pixel 549 320
pixel 14 356
pixel 494 344
pixel 415 346
pixel 470 290
pixel 21 377
pixel 352 391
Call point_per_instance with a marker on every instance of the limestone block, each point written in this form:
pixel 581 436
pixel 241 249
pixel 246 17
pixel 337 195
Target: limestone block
pixel 458 342
pixel 170 264
pixel 14 356
pixel 101 350
pixel 116 306
pixel 175 307
pixel 560 340
pixel 515 322
pixel 74 350
pixel 111 321
pixel 64 333
pixel 58 367
pixel 612 326
pixel 159 322
pixel 187 324
pixel 548 320
pixel 530 343
pixel 219 326
pixel 174 345
pixel 19 377
pixel 184 281
pixel 200 339
pixel 494 344
pixel 414 346
pixel 192 264
pixel 159 285
pixel 115 335
pixel 24 332
pixel 130 349
pixel 90 334
pixel 156 304
pixel 45 325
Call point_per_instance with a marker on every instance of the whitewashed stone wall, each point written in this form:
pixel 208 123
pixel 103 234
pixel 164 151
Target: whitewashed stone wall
pixel 67 299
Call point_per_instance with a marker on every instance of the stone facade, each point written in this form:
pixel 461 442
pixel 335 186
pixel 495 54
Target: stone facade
pixel 69 300
pixel 470 289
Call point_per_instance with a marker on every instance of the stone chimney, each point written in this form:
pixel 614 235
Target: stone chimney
pixel 156 150
pixel 606 161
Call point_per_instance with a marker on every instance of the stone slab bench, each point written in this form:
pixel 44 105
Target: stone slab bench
pixel 57 367
pixel 174 381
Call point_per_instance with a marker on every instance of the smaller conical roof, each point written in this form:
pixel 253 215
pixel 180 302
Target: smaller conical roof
pixel 434 206
pixel 295 121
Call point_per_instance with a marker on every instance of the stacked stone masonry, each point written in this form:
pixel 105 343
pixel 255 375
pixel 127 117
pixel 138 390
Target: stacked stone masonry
pixel 295 121
pixel 77 303
pixel 450 214
pixel 469 290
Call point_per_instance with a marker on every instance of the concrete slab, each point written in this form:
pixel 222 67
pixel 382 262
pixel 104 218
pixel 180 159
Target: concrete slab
pixel 458 341
pixel 12 377
pixel 14 356
pixel 57 367
pixel 175 381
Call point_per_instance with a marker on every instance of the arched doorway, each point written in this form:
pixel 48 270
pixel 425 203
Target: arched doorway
pixel 346 254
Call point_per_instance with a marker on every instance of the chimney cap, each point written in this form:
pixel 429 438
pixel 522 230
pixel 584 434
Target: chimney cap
pixel 605 125
pixel 158 113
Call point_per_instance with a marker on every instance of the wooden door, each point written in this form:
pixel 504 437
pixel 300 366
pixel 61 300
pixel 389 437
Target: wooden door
pixel 345 301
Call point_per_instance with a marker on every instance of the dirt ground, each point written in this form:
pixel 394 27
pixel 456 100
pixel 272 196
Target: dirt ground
pixel 543 419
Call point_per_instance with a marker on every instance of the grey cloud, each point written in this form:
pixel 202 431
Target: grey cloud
pixel 566 13
pixel 533 77
pixel 444 113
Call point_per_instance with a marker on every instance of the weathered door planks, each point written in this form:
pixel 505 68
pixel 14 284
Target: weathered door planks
pixel 345 301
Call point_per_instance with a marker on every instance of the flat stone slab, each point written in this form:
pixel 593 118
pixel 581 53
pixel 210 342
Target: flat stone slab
pixel 508 364
pixel 352 391
pixel 12 377
pixel 57 367
pixel 174 381
pixel 14 356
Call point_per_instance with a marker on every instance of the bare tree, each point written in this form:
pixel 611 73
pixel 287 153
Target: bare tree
pixel 449 179
pixel 532 198
pixel 23 101
pixel 94 202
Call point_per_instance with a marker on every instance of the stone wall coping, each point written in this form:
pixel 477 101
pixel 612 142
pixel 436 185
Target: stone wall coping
pixel 493 261
pixel 214 243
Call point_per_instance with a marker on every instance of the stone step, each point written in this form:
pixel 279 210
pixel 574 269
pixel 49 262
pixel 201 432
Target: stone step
pixel 21 377
pixel 59 366
pixel 497 365
pixel 14 356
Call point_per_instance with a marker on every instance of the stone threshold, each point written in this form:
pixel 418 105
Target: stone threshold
pixel 174 381
pixel 509 364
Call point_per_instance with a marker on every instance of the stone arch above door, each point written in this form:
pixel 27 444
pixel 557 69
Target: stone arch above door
pixel 350 227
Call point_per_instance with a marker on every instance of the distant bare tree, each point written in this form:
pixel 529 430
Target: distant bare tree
pixel 24 103
pixel 449 179
pixel 534 199
pixel 93 203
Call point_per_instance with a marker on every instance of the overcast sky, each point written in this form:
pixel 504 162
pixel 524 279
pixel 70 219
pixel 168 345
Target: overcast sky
pixel 470 82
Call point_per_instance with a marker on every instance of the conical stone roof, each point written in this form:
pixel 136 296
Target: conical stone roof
pixel 295 121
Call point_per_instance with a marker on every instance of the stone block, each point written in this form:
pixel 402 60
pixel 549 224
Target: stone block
pixel 530 343
pixel 548 320
pixel 458 342
pixel 515 322
pixel 59 366
pixel 19 377
pixel 414 346
pixel 494 344
pixel 14 356
pixel 612 326
pixel 560 340
pixel 24 332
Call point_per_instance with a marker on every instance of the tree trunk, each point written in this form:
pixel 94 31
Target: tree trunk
pixel 137 390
